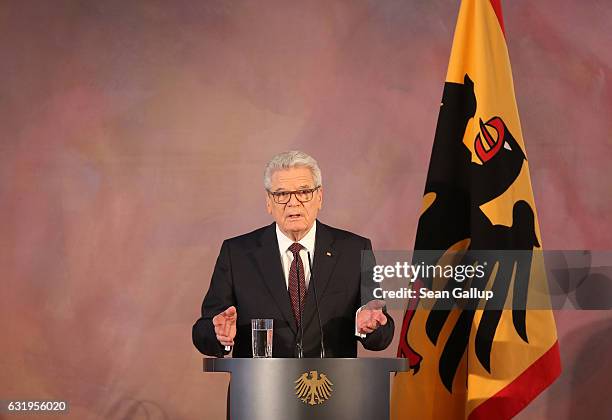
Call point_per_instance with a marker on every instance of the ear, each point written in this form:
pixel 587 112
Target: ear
pixel 269 204
pixel 321 198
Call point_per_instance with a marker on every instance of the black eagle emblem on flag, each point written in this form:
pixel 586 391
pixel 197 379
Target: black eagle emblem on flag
pixel 456 187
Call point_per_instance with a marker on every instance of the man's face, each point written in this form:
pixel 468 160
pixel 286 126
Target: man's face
pixel 294 218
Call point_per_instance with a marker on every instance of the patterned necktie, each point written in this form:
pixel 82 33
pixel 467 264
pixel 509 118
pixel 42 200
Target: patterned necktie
pixel 296 265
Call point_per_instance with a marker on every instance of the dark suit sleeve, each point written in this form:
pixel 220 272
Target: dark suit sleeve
pixel 219 297
pixel 382 337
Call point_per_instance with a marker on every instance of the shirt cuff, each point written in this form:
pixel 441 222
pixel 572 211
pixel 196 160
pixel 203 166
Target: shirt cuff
pixel 357 333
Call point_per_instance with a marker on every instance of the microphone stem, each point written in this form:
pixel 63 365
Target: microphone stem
pixel 314 291
pixel 300 343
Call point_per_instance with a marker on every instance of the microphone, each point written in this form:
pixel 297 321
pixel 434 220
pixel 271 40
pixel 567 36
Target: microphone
pixel 314 290
pixel 300 342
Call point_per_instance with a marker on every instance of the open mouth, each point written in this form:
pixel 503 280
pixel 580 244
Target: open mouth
pixel 294 216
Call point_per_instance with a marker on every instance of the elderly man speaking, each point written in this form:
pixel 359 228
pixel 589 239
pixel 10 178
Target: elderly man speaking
pixel 259 275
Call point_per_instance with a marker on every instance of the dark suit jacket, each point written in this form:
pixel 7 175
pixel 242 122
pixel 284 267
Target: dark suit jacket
pixel 249 275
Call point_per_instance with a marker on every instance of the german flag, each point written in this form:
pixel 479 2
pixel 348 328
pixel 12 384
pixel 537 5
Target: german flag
pixel 477 364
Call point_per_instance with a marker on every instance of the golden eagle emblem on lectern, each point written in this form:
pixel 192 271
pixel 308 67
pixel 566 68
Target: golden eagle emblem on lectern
pixel 313 387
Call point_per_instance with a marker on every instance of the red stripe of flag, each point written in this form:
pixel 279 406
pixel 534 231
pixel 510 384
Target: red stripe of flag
pixel 520 392
pixel 498 11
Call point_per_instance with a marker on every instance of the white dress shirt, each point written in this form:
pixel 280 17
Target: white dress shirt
pixel 308 242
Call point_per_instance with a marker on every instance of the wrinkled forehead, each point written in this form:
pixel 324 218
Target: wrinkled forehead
pixel 292 179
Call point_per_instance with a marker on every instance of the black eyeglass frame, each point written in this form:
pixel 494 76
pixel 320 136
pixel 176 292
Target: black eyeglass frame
pixel 276 195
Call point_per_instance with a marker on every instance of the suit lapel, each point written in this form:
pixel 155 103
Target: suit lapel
pixel 268 260
pixel 325 258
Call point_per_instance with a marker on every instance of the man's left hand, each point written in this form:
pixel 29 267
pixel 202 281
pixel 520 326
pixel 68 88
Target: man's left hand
pixel 368 320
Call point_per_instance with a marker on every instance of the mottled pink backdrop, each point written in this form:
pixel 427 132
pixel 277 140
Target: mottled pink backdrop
pixel 133 136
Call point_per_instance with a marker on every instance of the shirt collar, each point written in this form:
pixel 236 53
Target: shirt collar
pixel 308 241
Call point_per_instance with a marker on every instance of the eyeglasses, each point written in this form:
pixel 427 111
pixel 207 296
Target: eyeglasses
pixel 283 197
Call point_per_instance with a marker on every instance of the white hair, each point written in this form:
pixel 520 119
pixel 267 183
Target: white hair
pixel 292 159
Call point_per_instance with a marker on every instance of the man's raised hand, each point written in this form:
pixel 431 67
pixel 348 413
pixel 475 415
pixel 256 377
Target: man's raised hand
pixel 370 317
pixel 225 326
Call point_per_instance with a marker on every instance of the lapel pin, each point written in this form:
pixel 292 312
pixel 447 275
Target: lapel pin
pixel 329 254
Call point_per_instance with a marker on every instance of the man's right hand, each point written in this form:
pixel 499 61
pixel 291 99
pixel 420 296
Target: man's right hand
pixel 225 326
